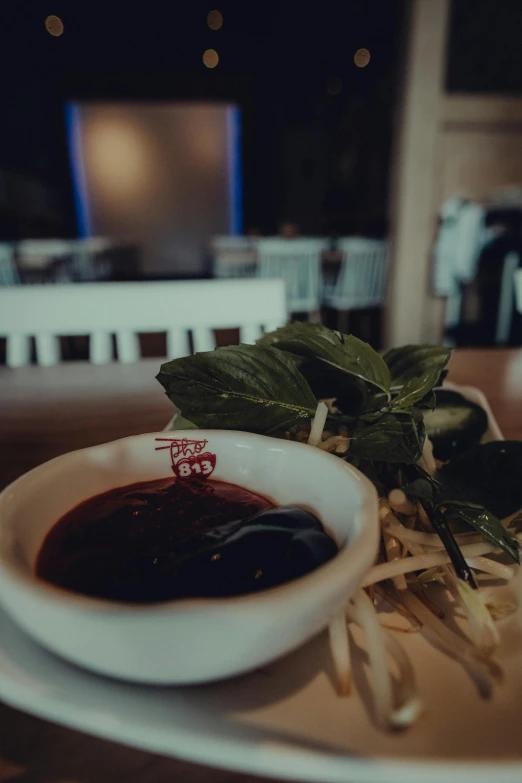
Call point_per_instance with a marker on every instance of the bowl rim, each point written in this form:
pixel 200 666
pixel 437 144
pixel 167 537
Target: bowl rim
pixel 334 569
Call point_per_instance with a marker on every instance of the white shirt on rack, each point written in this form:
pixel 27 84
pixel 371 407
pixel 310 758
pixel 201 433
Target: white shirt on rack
pixel 460 240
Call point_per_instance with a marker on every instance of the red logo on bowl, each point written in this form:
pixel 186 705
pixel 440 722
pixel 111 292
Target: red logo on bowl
pixel 187 457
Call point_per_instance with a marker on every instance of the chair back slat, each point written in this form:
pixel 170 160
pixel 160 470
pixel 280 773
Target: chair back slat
pixel 100 351
pixel 128 346
pixel 249 333
pixel 203 339
pixel 177 343
pixel 47 349
pixel 18 350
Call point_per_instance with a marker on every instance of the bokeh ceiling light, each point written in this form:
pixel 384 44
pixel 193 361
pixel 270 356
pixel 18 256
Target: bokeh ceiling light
pixel 361 58
pixel 215 20
pixel 210 58
pixel 54 25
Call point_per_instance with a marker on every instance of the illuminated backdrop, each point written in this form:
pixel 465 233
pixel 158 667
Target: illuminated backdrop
pixel 166 176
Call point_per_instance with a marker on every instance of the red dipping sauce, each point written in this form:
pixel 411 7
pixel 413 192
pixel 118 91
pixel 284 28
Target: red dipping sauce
pixel 160 540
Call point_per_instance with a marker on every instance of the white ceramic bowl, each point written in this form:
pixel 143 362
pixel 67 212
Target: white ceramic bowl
pixel 192 640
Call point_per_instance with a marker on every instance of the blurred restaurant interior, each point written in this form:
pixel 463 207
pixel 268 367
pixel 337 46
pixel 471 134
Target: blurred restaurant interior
pixel 367 152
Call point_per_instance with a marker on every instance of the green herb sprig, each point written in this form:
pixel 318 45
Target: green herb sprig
pixel 274 386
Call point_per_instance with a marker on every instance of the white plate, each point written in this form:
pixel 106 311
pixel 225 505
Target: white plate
pixel 286 721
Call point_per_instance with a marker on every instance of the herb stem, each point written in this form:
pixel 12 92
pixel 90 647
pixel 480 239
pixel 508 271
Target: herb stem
pixel 441 527
pixel 318 423
pixel 458 562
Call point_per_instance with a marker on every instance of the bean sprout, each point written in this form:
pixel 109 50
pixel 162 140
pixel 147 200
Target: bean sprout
pixel 420 562
pixel 409 550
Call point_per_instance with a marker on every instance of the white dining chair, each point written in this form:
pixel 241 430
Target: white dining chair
pixel 361 281
pixel 8 270
pixel 62 260
pixel 233 256
pixel 518 289
pixel 37 253
pixel 87 264
pixel 37 258
pixel 184 310
pixel 507 296
pixel 298 263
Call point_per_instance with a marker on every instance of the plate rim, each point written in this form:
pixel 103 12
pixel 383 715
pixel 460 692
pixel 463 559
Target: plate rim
pixel 277 760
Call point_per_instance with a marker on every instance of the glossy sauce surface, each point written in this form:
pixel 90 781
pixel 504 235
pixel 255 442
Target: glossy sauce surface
pixel 166 539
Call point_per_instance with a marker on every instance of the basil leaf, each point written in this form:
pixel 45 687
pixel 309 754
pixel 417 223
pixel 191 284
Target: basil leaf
pixel 419 472
pixel 431 491
pixel 420 488
pixel 393 438
pixel 428 402
pixel 346 353
pixel 416 389
pixel 486 523
pixel 327 382
pixel 374 415
pixel 415 361
pixel 239 387
pixel 489 475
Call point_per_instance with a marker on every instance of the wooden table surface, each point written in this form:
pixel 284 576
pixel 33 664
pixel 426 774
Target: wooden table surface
pixel 47 412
